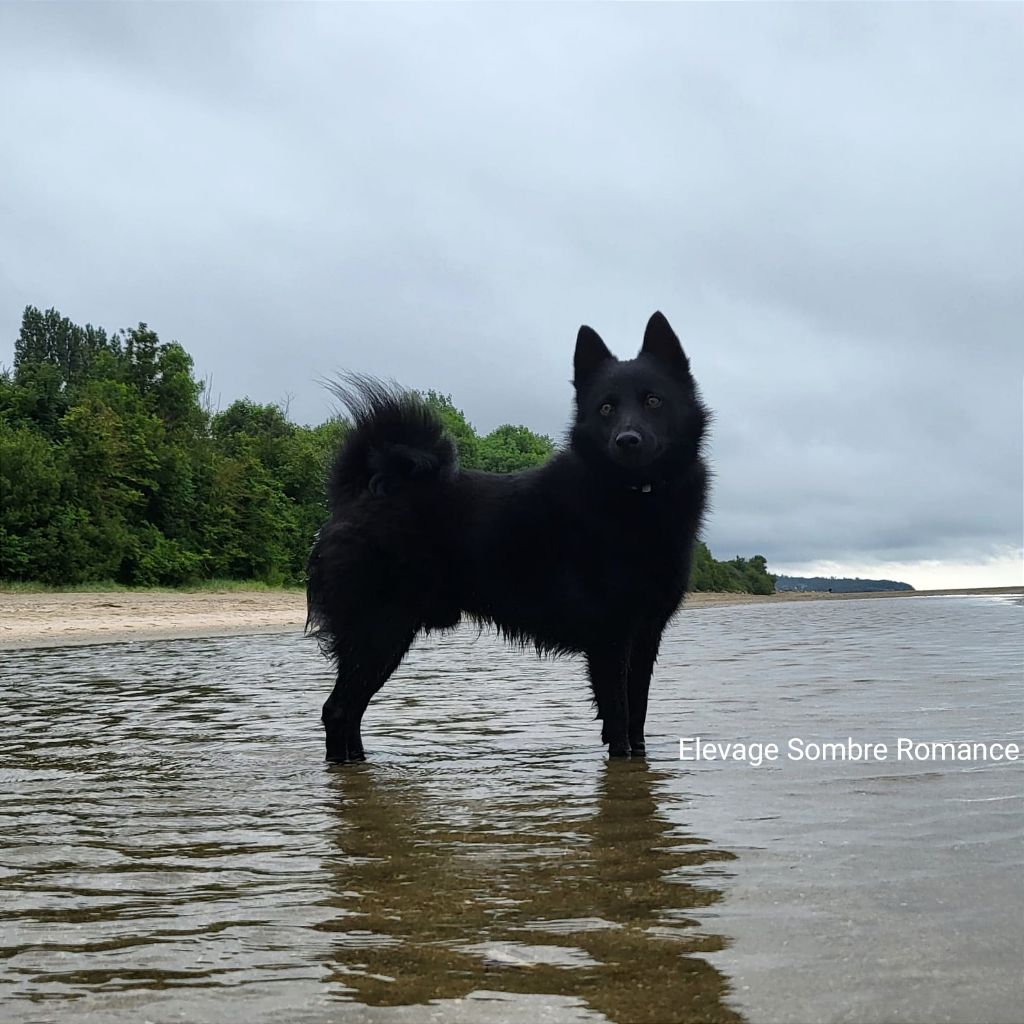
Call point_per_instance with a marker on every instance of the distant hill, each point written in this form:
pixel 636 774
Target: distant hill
pixel 835 585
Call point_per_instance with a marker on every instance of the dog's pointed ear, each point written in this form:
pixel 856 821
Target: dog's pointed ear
pixel 660 341
pixel 591 352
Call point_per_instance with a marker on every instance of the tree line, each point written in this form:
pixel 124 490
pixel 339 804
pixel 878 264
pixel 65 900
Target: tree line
pixel 834 585
pixel 115 467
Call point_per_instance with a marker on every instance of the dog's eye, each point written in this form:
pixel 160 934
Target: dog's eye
pixel 652 401
pixel 606 409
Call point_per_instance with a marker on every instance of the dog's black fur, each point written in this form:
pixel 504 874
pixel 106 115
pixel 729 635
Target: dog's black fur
pixel 588 553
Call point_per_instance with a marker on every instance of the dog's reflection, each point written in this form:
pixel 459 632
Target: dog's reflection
pixel 444 891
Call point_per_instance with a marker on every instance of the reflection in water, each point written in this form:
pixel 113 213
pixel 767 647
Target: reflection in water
pixel 171 835
pixel 437 899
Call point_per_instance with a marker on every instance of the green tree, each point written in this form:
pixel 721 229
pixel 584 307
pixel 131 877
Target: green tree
pixel 31 477
pixel 753 574
pixel 511 448
pixel 467 444
pixel 247 518
pixel 739 576
pixel 51 339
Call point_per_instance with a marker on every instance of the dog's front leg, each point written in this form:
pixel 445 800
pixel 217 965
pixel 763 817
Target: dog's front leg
pixel 607 668
pixel 643 655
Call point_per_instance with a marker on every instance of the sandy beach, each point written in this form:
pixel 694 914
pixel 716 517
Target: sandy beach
pixel 66 619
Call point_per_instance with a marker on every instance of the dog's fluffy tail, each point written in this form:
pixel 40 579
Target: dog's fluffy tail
pixel 396 438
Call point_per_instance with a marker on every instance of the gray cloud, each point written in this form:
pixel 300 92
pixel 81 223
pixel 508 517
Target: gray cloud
pixel 824 200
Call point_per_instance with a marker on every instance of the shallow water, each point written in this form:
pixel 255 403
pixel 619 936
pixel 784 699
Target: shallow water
pixel 172 846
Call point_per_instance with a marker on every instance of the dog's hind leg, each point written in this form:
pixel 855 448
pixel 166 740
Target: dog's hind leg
pixel 367 653
pixel 607 668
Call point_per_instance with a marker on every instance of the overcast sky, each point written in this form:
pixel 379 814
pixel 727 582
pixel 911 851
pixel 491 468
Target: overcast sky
pixel 825 200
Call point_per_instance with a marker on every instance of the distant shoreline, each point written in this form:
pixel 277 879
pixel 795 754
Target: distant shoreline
pixel 32 620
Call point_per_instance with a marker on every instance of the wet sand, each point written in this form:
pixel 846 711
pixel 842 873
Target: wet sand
pixel 71 619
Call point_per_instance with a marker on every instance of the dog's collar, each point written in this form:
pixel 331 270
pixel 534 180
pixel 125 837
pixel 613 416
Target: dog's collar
pixel 649 486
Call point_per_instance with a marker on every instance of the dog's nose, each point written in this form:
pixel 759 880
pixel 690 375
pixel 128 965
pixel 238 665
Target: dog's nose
pixel 627 439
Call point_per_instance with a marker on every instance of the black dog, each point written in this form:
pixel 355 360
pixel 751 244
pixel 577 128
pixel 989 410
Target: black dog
pixel 589 553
